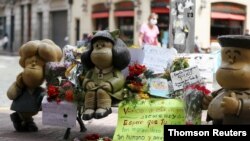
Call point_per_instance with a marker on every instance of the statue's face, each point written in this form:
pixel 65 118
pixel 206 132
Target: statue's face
pixel 33 74
pixel 234 72
pixel 101 55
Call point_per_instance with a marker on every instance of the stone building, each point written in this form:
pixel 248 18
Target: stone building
pixel 66 21
pixel 25 20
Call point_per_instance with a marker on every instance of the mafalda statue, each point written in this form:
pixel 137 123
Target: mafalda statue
pixel 104 82
pixel 230 104
pixel 26 92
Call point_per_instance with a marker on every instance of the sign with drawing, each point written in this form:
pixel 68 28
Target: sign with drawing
pixel 181 29
pixel 160 87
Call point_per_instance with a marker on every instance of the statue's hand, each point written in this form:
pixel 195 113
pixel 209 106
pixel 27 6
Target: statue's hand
pixel 90 85
pixel 206 101
pixel 106 86
pixel 19 81
pixel 230 104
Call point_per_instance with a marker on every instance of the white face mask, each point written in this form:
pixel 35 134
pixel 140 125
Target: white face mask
pixel 153 21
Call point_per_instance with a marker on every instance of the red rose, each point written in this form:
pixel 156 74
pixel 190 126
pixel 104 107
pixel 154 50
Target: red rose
pixel 69 95
pixel 53 91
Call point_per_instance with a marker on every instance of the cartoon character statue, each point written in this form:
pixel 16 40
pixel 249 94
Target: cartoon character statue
pixel 104 82
pixel 230 104
pixel 26 92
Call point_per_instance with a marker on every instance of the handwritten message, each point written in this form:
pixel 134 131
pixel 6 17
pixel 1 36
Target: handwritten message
pixel 159 87
pixel 185 77
pixel 61 114
pixel 145 120
pixel 157 58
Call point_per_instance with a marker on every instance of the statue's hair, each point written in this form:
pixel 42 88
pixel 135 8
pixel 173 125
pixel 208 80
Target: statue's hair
pixel 45 49
pixel 120 53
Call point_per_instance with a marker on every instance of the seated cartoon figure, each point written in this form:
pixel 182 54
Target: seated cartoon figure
pixel 104 82
pixel 230 104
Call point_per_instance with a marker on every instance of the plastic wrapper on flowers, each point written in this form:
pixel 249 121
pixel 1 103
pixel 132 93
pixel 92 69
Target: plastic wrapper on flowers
pixel 54 72
pixel 192 97
pixel 59 87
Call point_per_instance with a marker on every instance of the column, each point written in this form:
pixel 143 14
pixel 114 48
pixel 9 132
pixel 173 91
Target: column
pixel 112 26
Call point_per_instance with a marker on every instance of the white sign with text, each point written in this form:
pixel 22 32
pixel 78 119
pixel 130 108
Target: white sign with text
pixel 182 78
pixel 156 58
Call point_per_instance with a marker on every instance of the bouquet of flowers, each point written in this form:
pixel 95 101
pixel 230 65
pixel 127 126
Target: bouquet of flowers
pixel 59 87
pixel 192 97
pixel 65 91
pixel 136 81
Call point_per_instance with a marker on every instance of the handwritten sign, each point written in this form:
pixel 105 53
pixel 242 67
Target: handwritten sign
pixel 159 87
pixel 185 77
pixel 157 58
pixel 145 120
pixel 205 63
pixel 61 114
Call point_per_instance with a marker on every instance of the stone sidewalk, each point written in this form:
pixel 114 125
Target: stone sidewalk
pixel 104 127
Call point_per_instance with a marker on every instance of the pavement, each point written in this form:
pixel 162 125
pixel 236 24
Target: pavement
pixel 104 127
pixel 9 68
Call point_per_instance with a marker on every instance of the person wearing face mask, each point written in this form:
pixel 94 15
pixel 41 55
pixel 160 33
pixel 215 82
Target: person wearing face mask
pixel 149 32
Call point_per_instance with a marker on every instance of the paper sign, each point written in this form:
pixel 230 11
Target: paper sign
pixel 157 59
pixel 145 120
pixel 159 87
pixel 205 63
pixel 59 114
pixel 185 77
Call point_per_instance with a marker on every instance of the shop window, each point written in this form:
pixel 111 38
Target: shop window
pixel 2 26
pixel 101 24
pixel 225 27
pixel 126 26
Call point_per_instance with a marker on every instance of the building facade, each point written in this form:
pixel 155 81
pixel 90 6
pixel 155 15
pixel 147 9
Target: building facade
pixel 67 21
pixel 25 20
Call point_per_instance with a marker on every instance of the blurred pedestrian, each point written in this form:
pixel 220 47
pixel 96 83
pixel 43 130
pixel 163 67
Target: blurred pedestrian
pixel 149 32
pixel 5 41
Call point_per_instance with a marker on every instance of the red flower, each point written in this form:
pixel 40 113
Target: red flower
pixel 69 95
pixel 67 84
pixel 200 88
pixel 92 136
pixel 106 139
pixel 52 91
pixel 136 69
pixel 58 100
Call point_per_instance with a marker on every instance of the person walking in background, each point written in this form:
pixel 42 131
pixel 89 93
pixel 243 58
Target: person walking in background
pixel 5 41
pixel 149 32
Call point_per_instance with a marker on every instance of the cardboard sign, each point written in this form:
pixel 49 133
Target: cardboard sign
pixel 145 120
pixel 59 114
pixel 185 77
pixel 157 59
pixel 159 87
